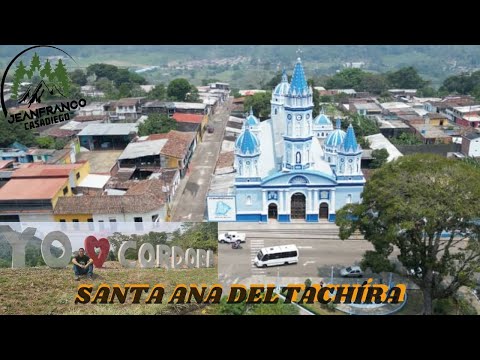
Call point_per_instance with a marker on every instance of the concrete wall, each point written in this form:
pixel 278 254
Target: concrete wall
pixel 341 196
pixel 36 218
pixel 146 217
pixel 256 202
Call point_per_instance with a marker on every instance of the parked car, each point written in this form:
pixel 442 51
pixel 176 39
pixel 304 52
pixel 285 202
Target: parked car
pixel 231 237
pixel 351 271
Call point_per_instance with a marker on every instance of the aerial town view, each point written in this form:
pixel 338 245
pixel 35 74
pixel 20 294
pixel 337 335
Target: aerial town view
pixel 321 164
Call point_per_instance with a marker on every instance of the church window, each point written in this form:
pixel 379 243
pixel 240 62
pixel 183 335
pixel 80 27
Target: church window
pixel 298 157
pixel 322 134
pixel 329 159
pixel 275 111
pixel 349 198
pixel 249 200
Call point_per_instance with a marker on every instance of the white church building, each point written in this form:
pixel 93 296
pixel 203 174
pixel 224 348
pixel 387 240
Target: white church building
pixel 293 167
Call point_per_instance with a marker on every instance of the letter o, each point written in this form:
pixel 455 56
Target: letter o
pixel 48 257
pixel 190 256
pixel 82 102
pixel 144 249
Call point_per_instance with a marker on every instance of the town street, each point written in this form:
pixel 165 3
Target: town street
pixel 190 200
pixel 319 249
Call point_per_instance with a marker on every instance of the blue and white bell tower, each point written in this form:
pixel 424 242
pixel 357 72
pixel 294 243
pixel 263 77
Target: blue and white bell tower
pixel 298 128
pixel 349 155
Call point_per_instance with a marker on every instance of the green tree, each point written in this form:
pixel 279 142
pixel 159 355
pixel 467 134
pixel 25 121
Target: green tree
pixel 78 77
pixel 9 133
pixel 260 103
pixel 193 95
pixel 362 125
pixel 380 157
pixel 325 98
pixel 406 139
pixel 35 65
pixel 46 72
pixel 346 79
pixel 197 235
pixel 124 90
pixel 363 142
pixel 409 204
pixel 406 78
pixel 157 124
pixel 60 143
pixel 102 70
pixel 316 99
pixel 373 83
pixel 45 142
pixel 236 93
pixel 104 84
pixel 178 89
pixel 62 79
pixel 18 76
pixel 280 308
pixel 465 84
pixel 157 93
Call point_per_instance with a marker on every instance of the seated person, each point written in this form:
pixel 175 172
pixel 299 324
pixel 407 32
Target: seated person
pixel 82 265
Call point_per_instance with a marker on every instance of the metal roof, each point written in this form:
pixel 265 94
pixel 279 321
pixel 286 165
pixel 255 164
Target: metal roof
pixel 142 148
pixel 108 129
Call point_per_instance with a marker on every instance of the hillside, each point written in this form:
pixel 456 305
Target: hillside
pixel 245 65
pixel 42 290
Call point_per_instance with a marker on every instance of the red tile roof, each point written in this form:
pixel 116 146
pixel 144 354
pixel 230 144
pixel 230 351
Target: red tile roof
pixel 190 118
pixel 178 143
pixel 57 132
pixel 32 189
pixel 143 197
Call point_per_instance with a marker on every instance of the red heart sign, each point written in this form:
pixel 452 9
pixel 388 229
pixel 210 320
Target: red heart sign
pixel 91 243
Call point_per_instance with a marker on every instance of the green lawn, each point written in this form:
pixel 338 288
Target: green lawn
pixel 42 290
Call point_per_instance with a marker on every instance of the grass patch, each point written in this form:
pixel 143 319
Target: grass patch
pixel 42 290
pixel 317 308
pixel 414 305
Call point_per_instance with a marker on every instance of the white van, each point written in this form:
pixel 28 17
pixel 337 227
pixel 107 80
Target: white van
pixel 277 255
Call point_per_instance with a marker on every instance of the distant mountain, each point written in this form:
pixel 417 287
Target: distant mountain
pixel 35 96
pixel 435 62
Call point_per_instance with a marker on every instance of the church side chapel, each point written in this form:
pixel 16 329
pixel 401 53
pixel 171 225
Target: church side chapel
pixel 293 167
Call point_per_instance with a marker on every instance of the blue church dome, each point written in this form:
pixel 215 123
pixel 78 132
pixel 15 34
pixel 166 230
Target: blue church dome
pixel 322 119
pixel 336 137
pixel 282 88
pixel 247 143
pixel 251 119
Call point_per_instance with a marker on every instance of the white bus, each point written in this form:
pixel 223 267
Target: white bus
pixel 277 255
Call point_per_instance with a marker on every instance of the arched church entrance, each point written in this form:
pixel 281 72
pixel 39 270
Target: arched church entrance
pixel 323 213
pixel 272 211
pixel 298 206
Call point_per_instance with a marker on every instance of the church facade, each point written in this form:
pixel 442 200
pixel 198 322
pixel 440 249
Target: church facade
pixel 293 167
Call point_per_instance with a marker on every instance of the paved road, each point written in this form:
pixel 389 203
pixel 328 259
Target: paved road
pixel 318 243
pixel 190 199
